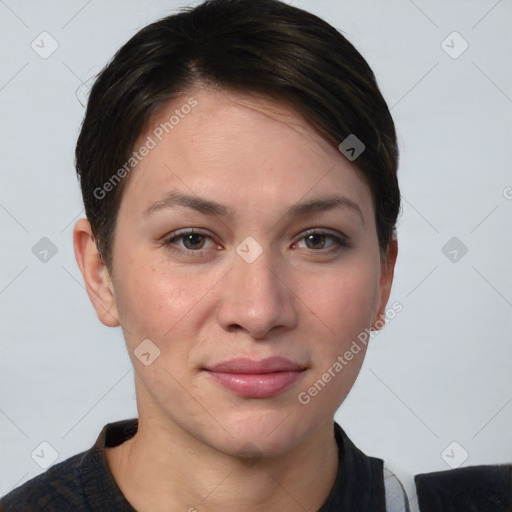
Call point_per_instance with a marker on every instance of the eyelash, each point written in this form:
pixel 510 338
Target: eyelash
pixel 340 241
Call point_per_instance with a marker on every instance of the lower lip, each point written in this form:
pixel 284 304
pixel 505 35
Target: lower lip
pixel 261 385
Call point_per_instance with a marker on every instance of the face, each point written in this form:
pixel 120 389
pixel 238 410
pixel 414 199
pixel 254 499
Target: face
pixel 246 251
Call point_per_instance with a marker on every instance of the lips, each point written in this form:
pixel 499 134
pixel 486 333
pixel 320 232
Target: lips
pixel 248 366
pixel 256 379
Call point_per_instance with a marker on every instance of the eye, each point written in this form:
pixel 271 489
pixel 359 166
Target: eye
pixel 191 240
pixel 319 240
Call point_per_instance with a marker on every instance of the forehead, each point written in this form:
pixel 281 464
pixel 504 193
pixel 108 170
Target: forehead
pixel 242 150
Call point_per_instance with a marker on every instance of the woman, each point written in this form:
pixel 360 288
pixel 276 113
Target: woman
pixel 238 170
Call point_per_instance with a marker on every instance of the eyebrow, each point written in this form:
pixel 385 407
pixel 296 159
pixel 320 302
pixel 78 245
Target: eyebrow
pixel 209 207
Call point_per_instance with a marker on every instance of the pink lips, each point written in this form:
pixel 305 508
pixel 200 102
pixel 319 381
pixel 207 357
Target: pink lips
pixel 256 379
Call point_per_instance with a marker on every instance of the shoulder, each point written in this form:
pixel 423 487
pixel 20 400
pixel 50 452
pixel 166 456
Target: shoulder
pixel 359 483
pixel 478 488
pixel 59 488
pixel 82 483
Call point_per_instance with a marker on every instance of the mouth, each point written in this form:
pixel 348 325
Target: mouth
pixel 256 379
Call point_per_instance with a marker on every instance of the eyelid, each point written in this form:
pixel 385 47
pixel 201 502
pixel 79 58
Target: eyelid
pixel 187 231
pixel 323 231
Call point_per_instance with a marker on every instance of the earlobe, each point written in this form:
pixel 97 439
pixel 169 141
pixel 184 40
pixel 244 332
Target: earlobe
pixel 386 280
pixel 95 274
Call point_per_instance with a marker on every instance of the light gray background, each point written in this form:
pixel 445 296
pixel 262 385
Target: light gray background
pixel 440 372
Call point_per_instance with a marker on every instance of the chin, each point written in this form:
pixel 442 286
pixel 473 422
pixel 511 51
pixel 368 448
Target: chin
pixel 263 434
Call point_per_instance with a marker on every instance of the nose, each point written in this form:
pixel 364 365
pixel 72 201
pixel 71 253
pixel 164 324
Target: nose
pixel 256 298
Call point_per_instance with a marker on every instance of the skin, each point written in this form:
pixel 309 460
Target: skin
pixel 302 298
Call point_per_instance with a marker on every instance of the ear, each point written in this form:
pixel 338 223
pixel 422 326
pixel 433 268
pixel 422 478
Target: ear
pixel 95 273
pixel 386 280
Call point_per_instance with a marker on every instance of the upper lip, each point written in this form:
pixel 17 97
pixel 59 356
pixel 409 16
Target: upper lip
pixel 250 366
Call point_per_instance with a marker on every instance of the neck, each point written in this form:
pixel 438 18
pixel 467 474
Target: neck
pixel 158 471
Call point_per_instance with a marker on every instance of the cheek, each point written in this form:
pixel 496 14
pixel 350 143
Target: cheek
pixel 339 326
pixel 344 302
pixel 154 302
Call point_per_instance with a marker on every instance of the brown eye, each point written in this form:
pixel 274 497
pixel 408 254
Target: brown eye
pixel 189 241
pixel 321 241
pixel 193 241
pixel 315 241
